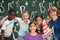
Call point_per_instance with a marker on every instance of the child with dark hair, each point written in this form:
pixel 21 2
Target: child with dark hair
pixel 7 26
pixel 33 35
pixel 43 27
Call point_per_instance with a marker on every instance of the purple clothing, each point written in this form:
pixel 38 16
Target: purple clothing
pixel 30 37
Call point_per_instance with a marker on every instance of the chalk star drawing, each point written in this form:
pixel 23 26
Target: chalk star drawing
pixel 2 1
pixel 12 1
pixel 17 12
pixel 26 3
pixel 43 1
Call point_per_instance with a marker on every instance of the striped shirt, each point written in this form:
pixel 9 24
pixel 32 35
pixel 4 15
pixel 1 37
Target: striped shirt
pixel 46 30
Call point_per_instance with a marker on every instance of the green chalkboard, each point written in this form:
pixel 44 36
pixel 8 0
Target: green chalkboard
pixel 33 6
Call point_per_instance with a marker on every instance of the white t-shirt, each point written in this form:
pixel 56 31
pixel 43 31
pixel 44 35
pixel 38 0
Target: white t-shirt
pixel 8 27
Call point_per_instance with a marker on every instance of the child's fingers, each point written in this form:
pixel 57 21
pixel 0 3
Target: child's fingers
pixel 1 22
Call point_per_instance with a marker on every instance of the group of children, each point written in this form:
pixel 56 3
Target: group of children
pixel 31 30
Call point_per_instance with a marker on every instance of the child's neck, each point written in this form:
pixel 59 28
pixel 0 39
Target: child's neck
pixel 25 21
pixel 33 33
pixel 54 18
pixel 9 19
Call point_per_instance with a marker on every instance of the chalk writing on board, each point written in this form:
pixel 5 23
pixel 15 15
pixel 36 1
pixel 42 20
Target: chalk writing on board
pixel 12 1
pixel 17 3
pixel 58 3
pixel 3 9
pixel 2 1
pixel 42 8
pixel 34 2
pixel 50 4
pixel 22 8
pixel 26 3
pixel 43 1
pixel 32 16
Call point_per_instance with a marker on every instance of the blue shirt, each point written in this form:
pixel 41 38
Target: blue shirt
pixel 56 25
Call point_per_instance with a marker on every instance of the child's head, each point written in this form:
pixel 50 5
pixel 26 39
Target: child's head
pixel 11 14
pixel 53 11
pixel 39 19
pixel 32 27
pixel 25 15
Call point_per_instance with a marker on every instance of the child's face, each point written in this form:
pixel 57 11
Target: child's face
pixel 32 27
pixel 12 15
pixel 39 20
pixel 25 16
pixel 53 13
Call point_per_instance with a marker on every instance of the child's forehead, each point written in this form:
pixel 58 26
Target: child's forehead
pixel 12 13
pixel 38 18
pixel 25 13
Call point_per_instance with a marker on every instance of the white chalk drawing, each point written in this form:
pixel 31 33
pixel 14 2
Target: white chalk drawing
pixel 58 3
pixel 10 6
pixel 22 8
pixel 17 3
pixel 47 16
pixel 26 3
pixel 43 1
pixel 53 1
pixel 42 8
pixel 17 12
pixel 34 2
pixel 12 1
pixel 2 1
pixel 32 16
pixel 50 4
pixel 2 8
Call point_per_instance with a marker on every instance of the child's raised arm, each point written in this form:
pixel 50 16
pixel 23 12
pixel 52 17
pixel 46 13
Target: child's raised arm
pixel 17 19
pixel 2 21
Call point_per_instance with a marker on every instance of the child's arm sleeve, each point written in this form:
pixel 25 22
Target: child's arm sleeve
pixel 3 26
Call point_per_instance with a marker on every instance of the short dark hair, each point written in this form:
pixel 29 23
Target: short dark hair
pixel 11 10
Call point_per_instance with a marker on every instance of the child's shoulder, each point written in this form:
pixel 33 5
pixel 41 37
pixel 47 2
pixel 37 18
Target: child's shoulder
pixel 6 21
pixel 27 34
